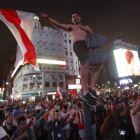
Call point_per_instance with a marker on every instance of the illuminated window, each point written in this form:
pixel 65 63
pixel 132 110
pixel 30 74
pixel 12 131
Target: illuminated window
pixel 25 86
pixel 71 67
pixel 61 84
pixel 47 84
pixel 39 85
pixel 32 86
pixel 54 84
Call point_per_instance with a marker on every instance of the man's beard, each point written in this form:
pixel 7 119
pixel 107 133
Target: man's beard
pixel 9 123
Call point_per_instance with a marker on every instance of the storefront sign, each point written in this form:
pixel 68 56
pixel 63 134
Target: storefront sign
pixel 74 86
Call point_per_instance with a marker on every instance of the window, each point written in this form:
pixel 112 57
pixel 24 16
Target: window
pixel 65 35
pixel 71 61
pixel 47 84
pixel 39 77
pixel 61 84
pixel 66 52
pixel 25 78
pixel 70 53
pixel 61 77
pixel 32 86
pixel 25 86
pixel 54 84
pixel 71 67
pixel 65 41
pixel 27 67
pixel 39 85
pixel 70 41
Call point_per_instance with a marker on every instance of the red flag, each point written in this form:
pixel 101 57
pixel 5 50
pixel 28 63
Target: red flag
pixel 58 93
pixel 73 93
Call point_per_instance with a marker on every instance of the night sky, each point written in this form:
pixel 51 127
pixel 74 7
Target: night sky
pixel 106 17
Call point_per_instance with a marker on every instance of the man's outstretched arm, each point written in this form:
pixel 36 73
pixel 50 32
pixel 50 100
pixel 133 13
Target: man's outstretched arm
pixel 66 27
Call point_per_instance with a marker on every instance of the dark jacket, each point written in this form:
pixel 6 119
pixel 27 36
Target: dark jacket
pixel 114 135
pixel 51 126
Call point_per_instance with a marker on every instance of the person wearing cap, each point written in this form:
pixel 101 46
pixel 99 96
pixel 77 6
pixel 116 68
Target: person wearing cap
pixel 120 113
pixel 31 121
pixel 23 133
pixel 9 127
pixel 3 134
pixel 17 114
pixel 41 129
pixel 135 116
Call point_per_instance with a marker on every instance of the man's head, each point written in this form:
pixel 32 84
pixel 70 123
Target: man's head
pixel 21 108
pixel 9 119
pixel 52 113
pixel 79 106
pixel 17 114
pixel 74 105
pixel 118 104
pixel 42 114
pixel 65 109
pixel 21 123
pixel 75 18
pixel 30 113
pixel 135 102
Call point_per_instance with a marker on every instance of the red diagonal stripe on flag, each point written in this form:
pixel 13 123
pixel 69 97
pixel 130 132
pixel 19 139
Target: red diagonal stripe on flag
pixel 12 17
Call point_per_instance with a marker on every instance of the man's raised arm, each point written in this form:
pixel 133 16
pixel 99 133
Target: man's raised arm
pixel 66 27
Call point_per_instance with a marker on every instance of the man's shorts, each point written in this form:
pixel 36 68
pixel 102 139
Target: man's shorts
pixel 82 133
pixel 81 51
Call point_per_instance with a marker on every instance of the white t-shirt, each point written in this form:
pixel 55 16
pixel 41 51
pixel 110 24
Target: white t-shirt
pixel 57 107
pixel 38 107
pixel 64 115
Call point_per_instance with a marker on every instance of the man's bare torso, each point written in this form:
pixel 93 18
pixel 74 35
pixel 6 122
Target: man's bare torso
pixel 78 33
pixel 136 122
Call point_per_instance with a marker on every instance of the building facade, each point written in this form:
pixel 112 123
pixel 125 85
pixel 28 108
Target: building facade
pixel 50 44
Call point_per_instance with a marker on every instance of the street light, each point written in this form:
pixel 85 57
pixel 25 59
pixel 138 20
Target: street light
pixel 7 83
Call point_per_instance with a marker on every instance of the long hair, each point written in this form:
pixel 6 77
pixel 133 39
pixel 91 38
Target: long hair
pixel 109 124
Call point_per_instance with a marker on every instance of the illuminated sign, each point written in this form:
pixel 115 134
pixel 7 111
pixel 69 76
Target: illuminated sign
pixel 51 93
pixel 74 86
pixel 125 81
pixel 127 62
pixel 41 61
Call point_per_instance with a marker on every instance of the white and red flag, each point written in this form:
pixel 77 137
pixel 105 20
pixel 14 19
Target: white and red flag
pixel 58 93
pixel 47 99
pixel 21 25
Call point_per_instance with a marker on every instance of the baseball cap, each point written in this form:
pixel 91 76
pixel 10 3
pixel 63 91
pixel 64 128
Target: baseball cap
pixel 17 112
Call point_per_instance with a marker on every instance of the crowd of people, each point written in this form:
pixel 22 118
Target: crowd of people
pixel 115 117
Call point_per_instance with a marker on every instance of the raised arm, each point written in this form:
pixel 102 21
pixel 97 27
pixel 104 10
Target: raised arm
pixel 66 27
pixel 136 109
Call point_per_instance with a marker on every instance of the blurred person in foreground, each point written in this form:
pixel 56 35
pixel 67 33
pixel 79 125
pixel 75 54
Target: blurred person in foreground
pixel 54 126
pixel 109 129
pixel 121 113
pixel 3 134
pixel 9 127
pixel 23 133
pixel 40 127
pixel 135 116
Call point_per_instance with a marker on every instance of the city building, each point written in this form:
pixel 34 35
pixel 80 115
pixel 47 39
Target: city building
pixel 118 66
pixel 50 44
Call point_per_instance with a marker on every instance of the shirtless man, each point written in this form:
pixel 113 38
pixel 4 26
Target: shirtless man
pixel 78 33
pixel 135 116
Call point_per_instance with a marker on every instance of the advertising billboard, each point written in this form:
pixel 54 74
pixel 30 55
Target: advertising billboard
pixel 127 62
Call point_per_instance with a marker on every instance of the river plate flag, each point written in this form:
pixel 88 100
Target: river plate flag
pixel 21 25
pixel 58 93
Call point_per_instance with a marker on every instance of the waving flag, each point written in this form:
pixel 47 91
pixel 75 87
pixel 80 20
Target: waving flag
pixel 21 25
pixel 58 93
pixel 73 93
